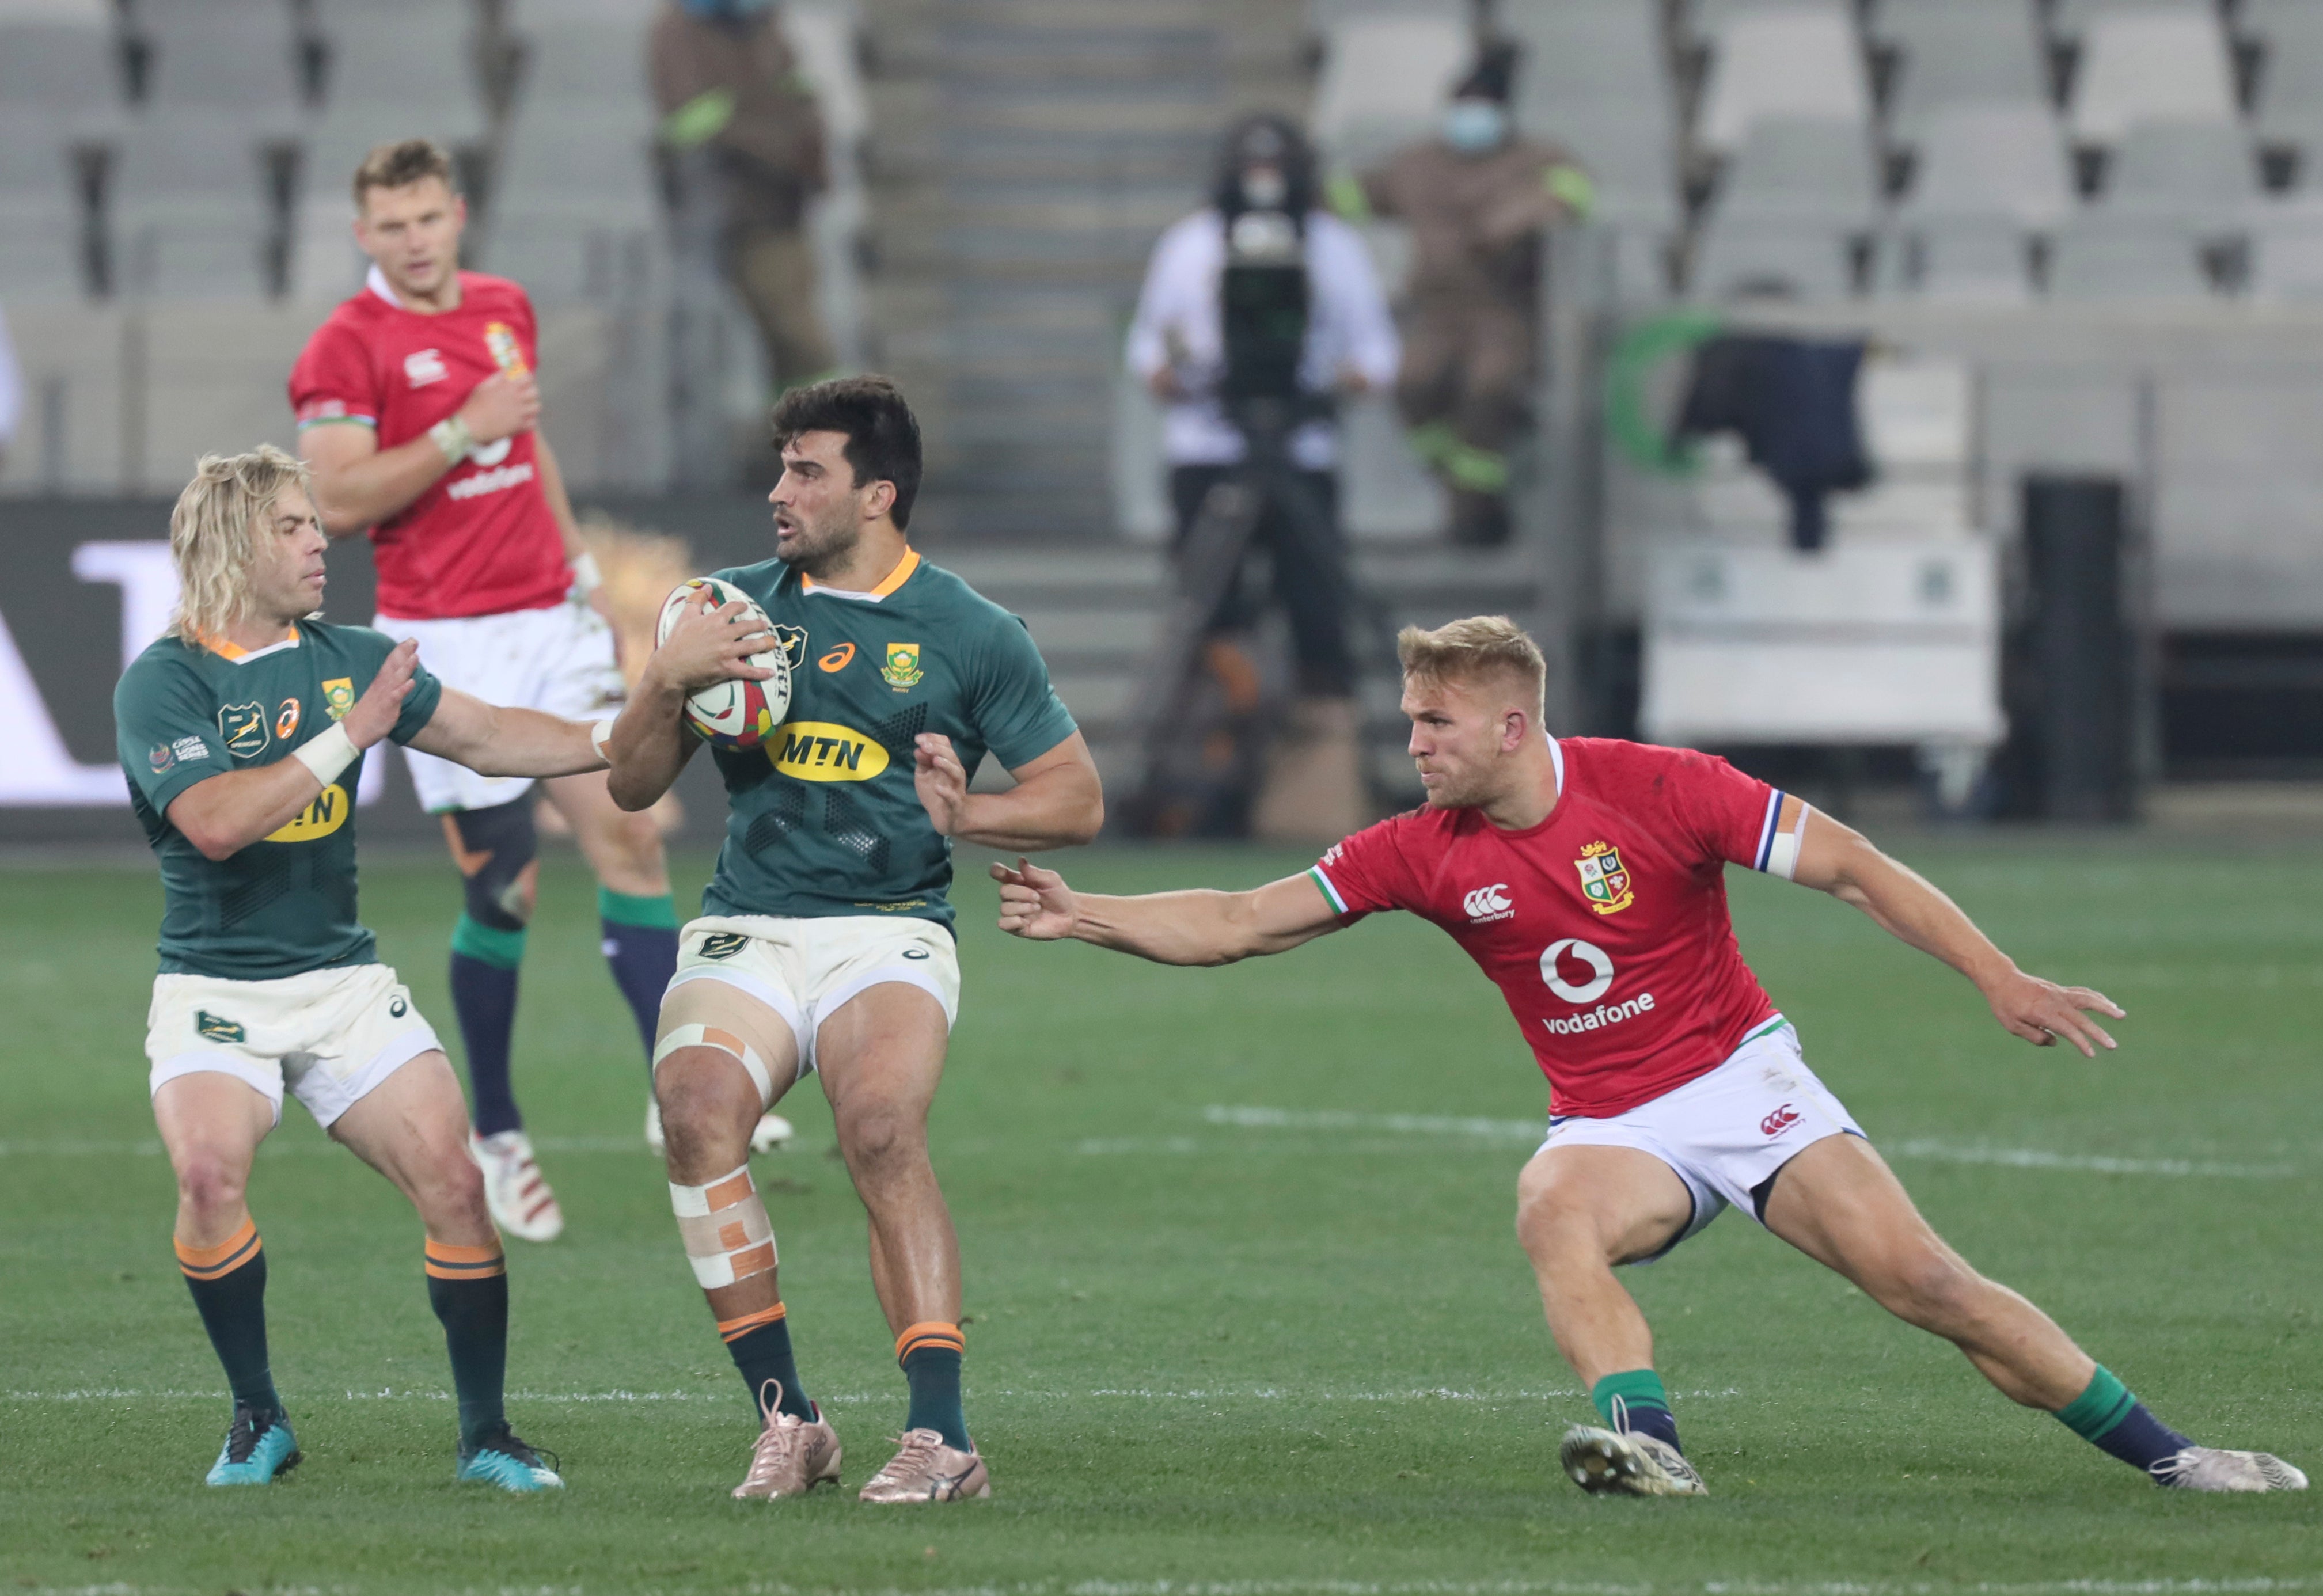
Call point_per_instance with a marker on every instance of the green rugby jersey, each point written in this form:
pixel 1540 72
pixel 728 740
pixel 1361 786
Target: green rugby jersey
pixel 823 817
pixel 285 904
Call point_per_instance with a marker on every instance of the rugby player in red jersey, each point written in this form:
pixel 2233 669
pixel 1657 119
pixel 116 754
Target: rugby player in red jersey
pixel 415 404
pixel 1585 876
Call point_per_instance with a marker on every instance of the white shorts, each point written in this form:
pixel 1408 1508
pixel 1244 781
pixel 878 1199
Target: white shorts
pixel 558 660
pixel 1727 1133
pixel 805 969
pixel 331 1035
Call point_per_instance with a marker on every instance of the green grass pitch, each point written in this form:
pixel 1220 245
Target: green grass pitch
pixel 1247 1316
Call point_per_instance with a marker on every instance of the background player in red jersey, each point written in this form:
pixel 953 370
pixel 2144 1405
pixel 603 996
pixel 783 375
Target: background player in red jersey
pixel 416 405
pixel 1586 876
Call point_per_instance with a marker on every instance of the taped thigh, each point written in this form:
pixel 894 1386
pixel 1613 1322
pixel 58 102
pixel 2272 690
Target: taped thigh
pixel 727 1234
pixel 497 850
pixel 712 1013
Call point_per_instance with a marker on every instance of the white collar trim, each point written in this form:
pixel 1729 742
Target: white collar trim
pixel 1556 766
pixel 376 281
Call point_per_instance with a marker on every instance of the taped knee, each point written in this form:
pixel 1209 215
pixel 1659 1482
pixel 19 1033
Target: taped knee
pixel 727 1237
pixel 497 851
pixel 725 1041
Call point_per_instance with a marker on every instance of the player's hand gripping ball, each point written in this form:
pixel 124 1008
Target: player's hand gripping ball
pixel 732 714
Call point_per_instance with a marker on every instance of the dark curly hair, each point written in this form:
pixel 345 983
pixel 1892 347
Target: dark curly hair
pixel 883 437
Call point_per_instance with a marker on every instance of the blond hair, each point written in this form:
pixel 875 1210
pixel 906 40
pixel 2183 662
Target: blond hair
pixel 214 535
pixel 1478 645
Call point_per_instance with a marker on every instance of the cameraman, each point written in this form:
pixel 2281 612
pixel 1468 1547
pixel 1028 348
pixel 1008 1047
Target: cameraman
pixel 1266 173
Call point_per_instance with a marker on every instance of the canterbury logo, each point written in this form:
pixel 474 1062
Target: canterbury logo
pixel 1781 1120
pixel 1489 903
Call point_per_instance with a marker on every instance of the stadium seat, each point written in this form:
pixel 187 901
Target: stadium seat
pixel 214 383
pixel 67 70
pixel 1771 257
pixel 240 55
pixel 597 63
pixel 41 249
pixel 187 209
pixel 575 215
pixel 2290 109
pixel 1804 166
pixel 1384 82
pixel 2098 255
pixel 85 13
pixel 2072 18
pixel 1323 15
pixel 1596 50
pixel 1956 258
pixel 1792 61
pixel 2287 249
pixel 422 58
pixel 2203 175
pixel 69 356
pixel 1963 53
pixel 1986 161
pixel 2138 67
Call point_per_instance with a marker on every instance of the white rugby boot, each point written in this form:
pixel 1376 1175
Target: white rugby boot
pixel 772 1131
pixel 1626 1463
pixel 2213 1468
pixel 515 1190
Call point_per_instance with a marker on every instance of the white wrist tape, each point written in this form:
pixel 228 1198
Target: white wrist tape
pixel 725 1042
pixel 452 437
pixel 727 1237
pixel 586 578
pixel 600 735
pixel 328 755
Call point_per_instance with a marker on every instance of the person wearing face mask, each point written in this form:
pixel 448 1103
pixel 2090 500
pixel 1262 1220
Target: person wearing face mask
pixel 730 87
pixel 1264 206
pixel 1478 197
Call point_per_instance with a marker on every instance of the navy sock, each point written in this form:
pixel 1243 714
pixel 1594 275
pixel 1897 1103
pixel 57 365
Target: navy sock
pixel 484 966
pixel 468 1289
pixel 931 1355
pixel 229 1286
pixel 1636 1401
pixel 640 945
pixel 2111 1419
pixel 761 1350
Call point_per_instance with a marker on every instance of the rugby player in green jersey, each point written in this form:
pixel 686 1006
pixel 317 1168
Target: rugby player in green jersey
pixel 242 732
pixel 825 941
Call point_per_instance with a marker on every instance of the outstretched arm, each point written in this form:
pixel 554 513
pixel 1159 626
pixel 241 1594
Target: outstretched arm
pixel 1836 859
pixel 1199 926
pixel 493 740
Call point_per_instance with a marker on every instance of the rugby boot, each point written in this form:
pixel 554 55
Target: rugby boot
pixel 2213 1468
pixel 925 1470
pixel 259 1449
pixel 794 1454
pixel 1627 1465
pixel 515 1190
pixel 499 1457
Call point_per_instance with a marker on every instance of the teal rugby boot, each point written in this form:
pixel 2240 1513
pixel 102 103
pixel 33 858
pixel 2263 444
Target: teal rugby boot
pixel 259 1449
pixel 501 1458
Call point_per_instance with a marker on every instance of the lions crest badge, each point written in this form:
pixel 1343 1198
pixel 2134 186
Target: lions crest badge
pixel 243 727
pixel 1604 880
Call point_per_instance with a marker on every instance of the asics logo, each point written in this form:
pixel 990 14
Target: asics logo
pixel 1601 970
pixel 1489 904
pixel 1781 1120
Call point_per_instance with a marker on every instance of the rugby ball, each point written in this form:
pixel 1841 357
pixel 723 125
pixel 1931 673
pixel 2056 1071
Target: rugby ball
pixel 731 715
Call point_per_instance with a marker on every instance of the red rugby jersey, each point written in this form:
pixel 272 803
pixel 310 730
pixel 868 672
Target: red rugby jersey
pixel 480 541
pixel 1604 926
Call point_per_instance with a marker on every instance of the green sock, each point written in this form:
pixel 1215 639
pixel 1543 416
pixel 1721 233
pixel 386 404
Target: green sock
pixel 628 909
pixel 1643 1404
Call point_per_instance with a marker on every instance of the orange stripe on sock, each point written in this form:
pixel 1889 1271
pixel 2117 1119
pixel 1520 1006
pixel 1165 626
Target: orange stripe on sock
pixel 935 1333
pixel 208 1263
pixel 448 1263
pixel 735 1329
pixel 728 1192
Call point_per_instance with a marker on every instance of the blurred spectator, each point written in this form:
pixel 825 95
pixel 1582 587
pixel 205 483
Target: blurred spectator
pixel 730 88
pixel 1265 194
pixel 1477 197
pixel 11 392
